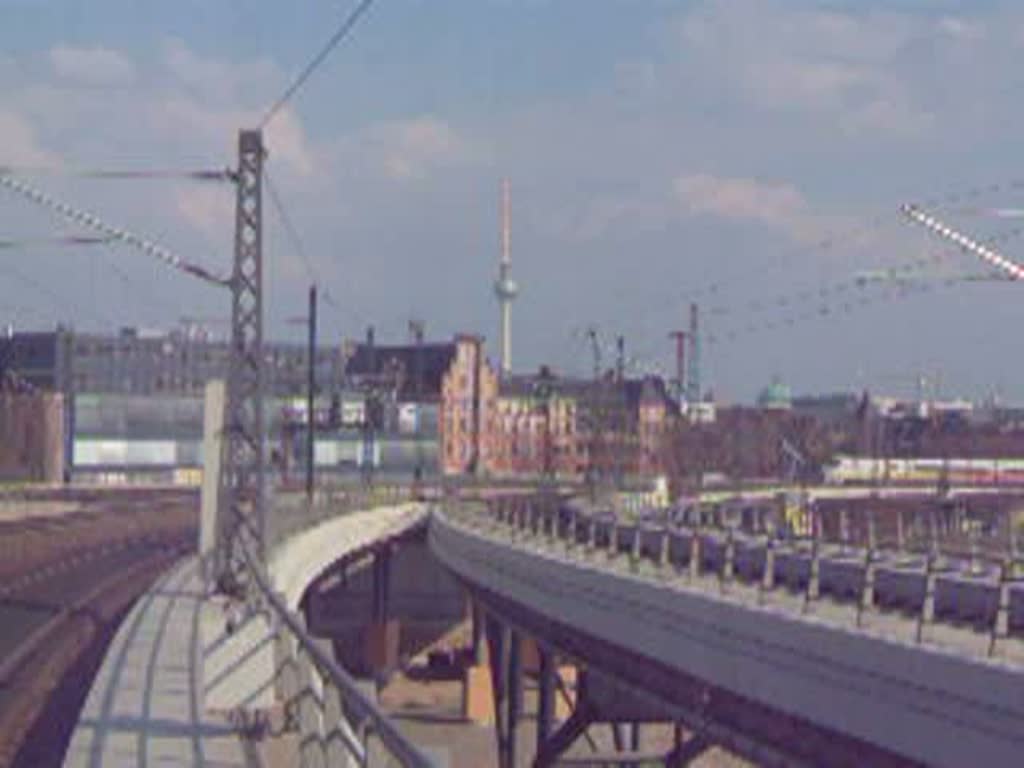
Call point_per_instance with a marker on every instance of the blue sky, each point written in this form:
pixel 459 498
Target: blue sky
pixel 654 148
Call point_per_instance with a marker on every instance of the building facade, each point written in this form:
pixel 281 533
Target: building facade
pixel 575 428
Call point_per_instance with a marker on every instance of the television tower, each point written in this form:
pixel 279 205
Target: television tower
pixel 505 288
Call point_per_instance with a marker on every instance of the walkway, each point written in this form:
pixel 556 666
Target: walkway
pixel 145 706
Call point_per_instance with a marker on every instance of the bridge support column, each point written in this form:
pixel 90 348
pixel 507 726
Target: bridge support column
pixel 383 632
pixel 506 682
pixel 576 725
pixel 545 695
pixel 477 626
pixel 515 694
pixel 686 751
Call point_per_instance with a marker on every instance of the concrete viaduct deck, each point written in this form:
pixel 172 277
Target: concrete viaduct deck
pixel 768 675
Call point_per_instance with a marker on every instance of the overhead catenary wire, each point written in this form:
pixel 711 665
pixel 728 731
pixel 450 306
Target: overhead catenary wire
pixel 60 240
pixel 58 300
pixel 89 220
pixel 289 227
pixel 966 198
pixel 340 34
pixel 277 203
pixel 822 292
pixel 193 174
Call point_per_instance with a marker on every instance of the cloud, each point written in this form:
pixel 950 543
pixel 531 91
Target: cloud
pixel 92 66
pixel 18 143
pixel 844 67
pixel 780 206
pixel 285 137
pixel 209 211
pixel 214 79
pixel 409 149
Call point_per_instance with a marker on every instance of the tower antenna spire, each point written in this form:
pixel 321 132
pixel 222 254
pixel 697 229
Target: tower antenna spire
pixel 505 288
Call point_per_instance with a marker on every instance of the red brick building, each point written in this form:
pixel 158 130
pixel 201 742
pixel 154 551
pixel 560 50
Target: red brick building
pixel 525 426
pixel 575 428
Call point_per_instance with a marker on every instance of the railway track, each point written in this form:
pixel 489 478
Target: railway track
pixel 65 582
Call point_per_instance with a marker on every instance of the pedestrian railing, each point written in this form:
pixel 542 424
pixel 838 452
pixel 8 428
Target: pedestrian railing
pixel 336 720
pixel 785 571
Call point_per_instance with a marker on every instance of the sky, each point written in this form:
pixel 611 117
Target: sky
pixel 750 155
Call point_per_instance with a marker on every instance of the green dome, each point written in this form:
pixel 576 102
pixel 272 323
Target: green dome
pixel 775 395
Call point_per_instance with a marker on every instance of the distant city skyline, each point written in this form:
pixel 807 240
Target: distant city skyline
pixel 751 153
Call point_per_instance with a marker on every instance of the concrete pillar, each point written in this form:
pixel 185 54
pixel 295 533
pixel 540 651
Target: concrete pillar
pixel 529 654
pixel 478 704
pixel 383 634
pixel 381 584
pixel 477 626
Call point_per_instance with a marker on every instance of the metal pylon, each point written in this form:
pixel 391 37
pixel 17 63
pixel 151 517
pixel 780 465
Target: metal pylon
pixel 241 520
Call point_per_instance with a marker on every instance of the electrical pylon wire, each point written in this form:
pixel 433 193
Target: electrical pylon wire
pixel 1011 268
pixel 89 220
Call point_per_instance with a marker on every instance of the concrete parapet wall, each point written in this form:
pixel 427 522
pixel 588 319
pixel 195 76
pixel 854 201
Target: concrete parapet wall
pixel 296 562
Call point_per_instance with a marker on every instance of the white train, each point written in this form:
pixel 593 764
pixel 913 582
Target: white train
pixel 918 471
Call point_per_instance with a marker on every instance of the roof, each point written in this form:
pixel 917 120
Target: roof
pixel 631 392
pixel 530 385
pixel 401 361
pixel 775 395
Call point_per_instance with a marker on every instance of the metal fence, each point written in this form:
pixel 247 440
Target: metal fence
pixel 337 722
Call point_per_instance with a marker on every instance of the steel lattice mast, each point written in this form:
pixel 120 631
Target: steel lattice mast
pixel 243 493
